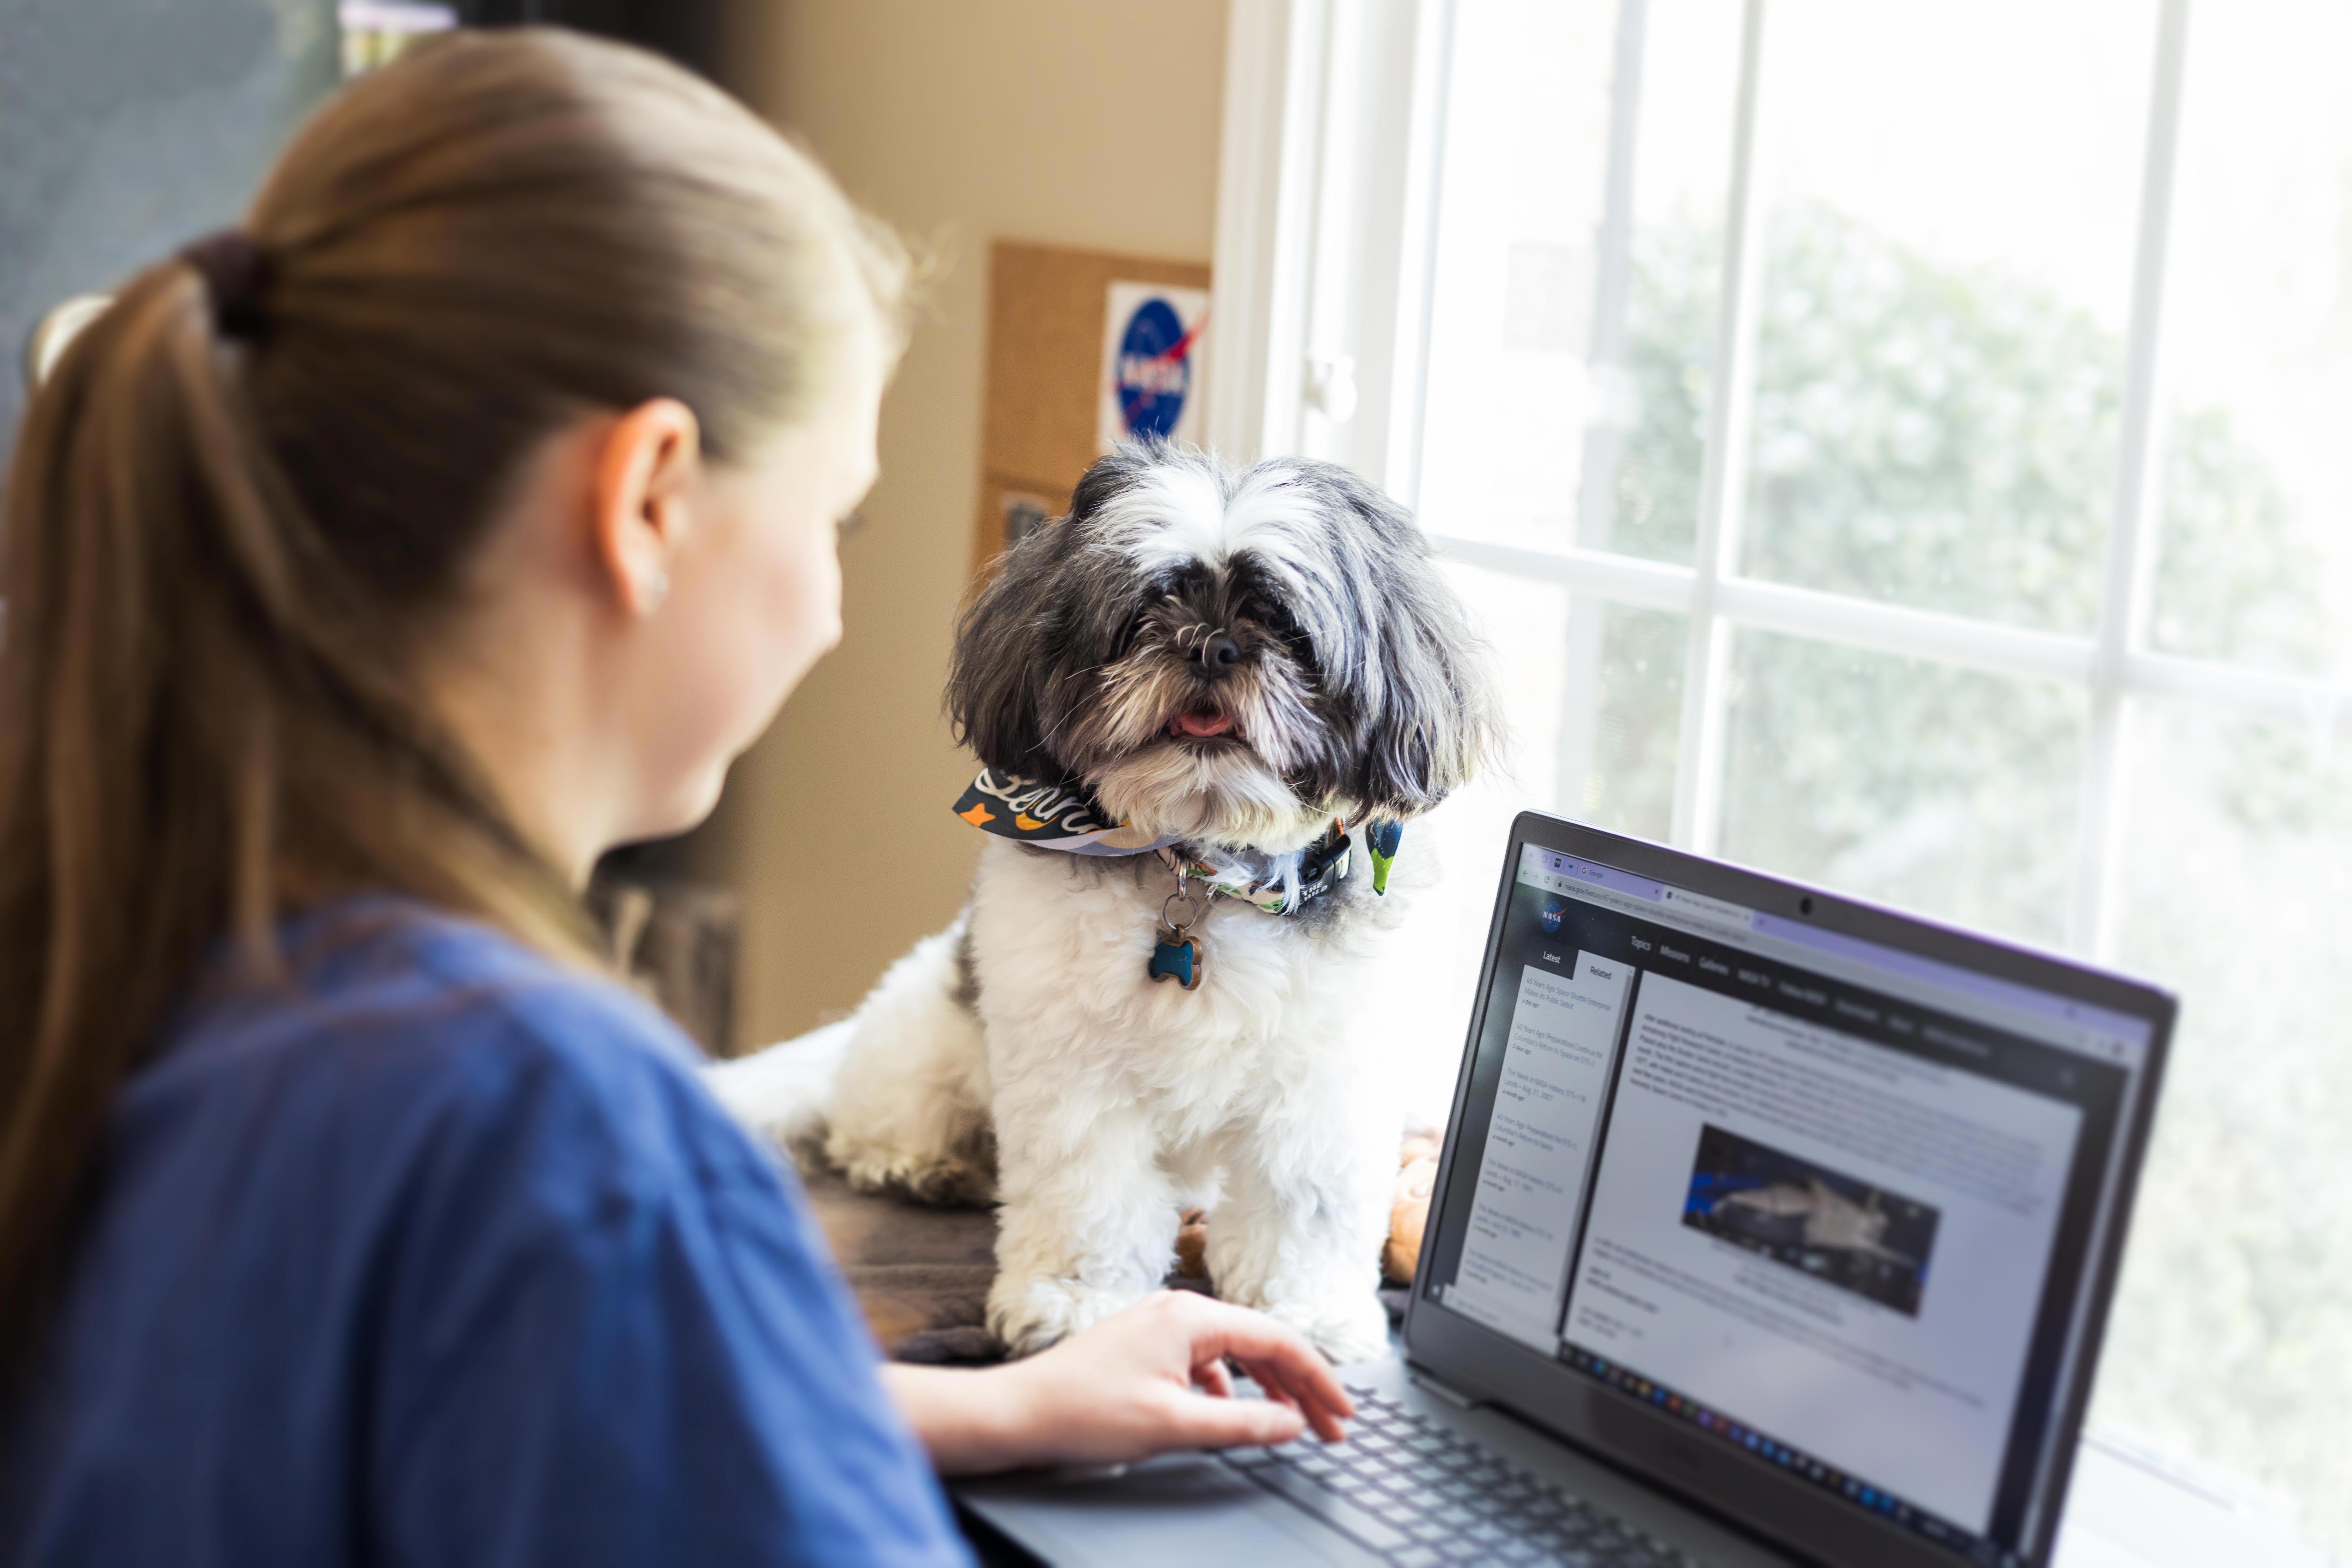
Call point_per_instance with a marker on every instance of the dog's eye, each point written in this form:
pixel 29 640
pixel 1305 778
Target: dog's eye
pixel 1283 629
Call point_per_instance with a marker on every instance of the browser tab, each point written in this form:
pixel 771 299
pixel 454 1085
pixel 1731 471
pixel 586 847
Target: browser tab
pixel 1564 873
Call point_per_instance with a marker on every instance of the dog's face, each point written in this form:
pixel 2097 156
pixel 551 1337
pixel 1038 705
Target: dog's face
pixel 1234 658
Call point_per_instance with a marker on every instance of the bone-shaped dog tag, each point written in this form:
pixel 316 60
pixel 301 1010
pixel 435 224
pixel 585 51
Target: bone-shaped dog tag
pixel 1177 957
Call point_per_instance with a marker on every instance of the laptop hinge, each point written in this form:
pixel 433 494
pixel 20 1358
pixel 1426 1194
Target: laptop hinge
pixel 1452 1395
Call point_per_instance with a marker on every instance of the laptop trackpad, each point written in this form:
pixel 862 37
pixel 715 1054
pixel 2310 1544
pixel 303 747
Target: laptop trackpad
pixel 1182 1510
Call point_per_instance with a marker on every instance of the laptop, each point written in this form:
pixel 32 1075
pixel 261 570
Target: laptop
pixel 1771 1226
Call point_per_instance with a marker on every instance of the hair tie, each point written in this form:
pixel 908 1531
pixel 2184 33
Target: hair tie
pixel 233 270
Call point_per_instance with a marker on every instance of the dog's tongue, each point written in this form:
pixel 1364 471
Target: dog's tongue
pixel 1202 724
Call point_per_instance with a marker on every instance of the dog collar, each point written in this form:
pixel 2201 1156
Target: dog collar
pixel 1177 954
pixel 1322 866
pixel 1065 817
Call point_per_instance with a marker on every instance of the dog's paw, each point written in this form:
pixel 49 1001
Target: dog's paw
pixel 1346 1327
pixel 1029 1315
pixel 945 1180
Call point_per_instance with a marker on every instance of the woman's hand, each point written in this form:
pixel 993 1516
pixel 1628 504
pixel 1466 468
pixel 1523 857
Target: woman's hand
pixel 1151 1379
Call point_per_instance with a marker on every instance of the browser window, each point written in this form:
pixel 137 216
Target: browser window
pixel 1820 1199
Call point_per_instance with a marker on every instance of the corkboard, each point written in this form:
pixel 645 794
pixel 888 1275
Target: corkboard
pixel 1045 355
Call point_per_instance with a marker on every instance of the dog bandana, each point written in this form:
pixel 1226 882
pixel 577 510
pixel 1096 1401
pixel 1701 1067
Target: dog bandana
pixel 1065 817
pixel 1049 817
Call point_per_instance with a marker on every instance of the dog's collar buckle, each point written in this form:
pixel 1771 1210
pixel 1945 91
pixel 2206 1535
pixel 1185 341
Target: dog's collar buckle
pixel 1322 867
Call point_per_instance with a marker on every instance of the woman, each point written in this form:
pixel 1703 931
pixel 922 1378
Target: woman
pixel 370 570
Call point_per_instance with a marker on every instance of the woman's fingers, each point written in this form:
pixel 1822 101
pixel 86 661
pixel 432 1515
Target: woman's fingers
pixel 1257 1340
pixel 1278 1358
pixel 1322 1416
pixel 1161 1375
pixel 1203 1423
pixel 1313 1416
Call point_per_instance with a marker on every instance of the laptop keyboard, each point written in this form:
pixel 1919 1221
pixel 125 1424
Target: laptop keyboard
pixel 1421 1495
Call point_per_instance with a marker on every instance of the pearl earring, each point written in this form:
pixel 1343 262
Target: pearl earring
pixel 656 589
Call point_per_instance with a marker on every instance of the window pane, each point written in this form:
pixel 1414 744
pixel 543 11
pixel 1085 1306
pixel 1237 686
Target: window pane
pixel 1948 227
pixel 2233 1333
pixel 1570 346
pixel 2257 462
pixel 1634 700
pixel 1937 789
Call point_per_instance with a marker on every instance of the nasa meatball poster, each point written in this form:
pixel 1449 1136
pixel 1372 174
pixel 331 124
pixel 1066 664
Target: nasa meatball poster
pixel 1151 379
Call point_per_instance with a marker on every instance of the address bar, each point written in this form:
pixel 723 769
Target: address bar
pixel 1700 908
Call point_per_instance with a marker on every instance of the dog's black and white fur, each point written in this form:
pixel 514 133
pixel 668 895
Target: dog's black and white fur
pixel 1238 657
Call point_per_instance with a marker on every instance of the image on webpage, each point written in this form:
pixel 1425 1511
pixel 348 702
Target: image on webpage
pixel 1808 1217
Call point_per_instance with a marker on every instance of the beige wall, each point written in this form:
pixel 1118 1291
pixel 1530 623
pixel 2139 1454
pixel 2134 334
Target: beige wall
pixel 1067 122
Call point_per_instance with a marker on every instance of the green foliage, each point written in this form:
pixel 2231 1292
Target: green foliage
pixel 2232 582
pixel 1941 437
pixel 1669 367
pixel 1935 437
pixel 1935 788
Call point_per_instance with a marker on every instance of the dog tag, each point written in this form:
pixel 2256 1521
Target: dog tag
pixel 1177 957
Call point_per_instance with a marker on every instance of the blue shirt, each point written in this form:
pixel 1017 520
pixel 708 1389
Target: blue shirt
pixel 445 1255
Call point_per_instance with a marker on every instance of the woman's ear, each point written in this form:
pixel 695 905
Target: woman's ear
pixel 647 474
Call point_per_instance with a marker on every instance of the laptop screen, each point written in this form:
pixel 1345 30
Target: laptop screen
pixel 1822 1199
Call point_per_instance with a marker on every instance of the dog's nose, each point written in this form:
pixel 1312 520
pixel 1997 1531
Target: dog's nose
pixel 1218 653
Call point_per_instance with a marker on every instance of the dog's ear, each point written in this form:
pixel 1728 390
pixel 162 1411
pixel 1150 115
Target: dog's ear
pixel 996 678
pixel 1115 472
pixel 1429 716
pixel 1055 613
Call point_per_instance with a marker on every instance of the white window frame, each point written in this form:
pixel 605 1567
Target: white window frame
pixel 1331 159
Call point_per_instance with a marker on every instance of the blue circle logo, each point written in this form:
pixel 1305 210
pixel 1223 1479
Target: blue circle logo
pixel 1554 912
pixel 1155 369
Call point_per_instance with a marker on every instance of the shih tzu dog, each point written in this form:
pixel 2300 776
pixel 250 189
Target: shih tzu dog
pixel 1207 701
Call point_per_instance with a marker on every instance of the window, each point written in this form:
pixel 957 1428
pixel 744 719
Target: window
pixel 1908 448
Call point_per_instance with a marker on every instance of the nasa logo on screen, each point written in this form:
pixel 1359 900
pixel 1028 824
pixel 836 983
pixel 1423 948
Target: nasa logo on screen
pixel 1554 912
pixel 1152 365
